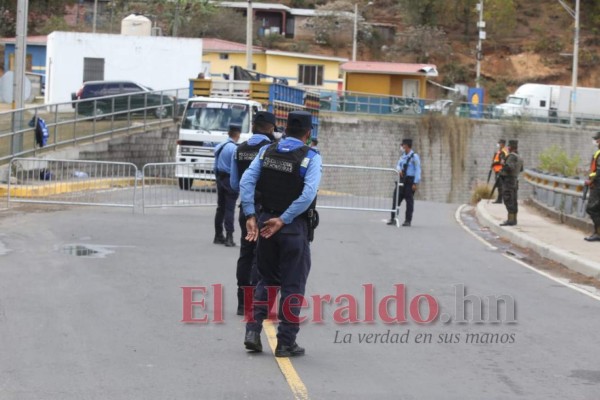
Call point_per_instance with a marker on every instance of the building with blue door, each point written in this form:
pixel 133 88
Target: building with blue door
pixel 35 59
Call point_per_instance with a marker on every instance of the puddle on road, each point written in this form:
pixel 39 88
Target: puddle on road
pixel 86 250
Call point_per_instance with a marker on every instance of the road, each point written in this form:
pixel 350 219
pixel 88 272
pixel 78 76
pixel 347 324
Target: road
pixel 109 326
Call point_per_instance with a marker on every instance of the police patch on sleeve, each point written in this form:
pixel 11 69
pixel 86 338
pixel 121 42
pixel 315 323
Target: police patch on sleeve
pixel 305 162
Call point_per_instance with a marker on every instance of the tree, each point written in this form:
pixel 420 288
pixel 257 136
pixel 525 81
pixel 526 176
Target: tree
pixel 500 17
pixel 39 12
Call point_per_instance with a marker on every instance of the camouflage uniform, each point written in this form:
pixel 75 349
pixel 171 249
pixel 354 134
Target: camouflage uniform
pixel 510 182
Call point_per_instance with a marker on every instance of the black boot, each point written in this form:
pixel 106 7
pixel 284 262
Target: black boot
pixel 229 240
pixel 594 237
pixel 219 239
pixel 511 221
pixel 289 351
pixel 240 296
pixel 252 341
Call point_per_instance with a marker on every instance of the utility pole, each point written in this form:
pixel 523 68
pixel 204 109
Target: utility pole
pixel 19 75
pixel 95 16
pixel 480 26
pixel 176 20
pixel 355 32
pixel 575 15
pixel 249 18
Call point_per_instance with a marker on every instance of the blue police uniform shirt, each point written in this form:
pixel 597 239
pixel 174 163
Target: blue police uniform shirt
pixel 223 162
pixel 312 178
pixel 414 166
pixel 234 178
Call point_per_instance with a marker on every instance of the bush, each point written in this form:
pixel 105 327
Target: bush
pixel 481 191
pixel 555 160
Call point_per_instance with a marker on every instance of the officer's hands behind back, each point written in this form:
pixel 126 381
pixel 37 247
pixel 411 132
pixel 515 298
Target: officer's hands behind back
pixel 271 227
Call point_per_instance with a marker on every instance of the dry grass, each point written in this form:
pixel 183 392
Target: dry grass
pixel 481 192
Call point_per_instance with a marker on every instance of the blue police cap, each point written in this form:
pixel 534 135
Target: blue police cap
pixel 299 119
pixel 235 127
pixel 265 116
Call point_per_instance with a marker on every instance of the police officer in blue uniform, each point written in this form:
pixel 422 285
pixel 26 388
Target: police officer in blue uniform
pixel 263 129
pixel 409 173
pixel 226 196
pixel 287 175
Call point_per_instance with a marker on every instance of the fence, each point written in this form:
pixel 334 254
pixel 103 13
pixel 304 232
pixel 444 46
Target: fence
pixel 72 182
pixel 357 188
pixel 559 194
pixel 85 120
pixel 166 185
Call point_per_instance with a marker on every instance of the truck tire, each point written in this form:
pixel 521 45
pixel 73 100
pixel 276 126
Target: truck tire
pixel 186 183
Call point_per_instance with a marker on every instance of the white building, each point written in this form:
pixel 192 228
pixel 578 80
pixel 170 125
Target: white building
pixel 157 62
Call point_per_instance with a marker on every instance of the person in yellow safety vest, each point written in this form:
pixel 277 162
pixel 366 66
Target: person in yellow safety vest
pixel 593 205
pixel 497 164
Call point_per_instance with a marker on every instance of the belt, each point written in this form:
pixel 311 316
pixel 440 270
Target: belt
pixel 270 211
pixel 224 174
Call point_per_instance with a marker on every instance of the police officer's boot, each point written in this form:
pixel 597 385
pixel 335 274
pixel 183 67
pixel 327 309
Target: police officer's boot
pixel 594 237
pixel 240 296
pixel 511 221
pixel 219 239
pixel 229 240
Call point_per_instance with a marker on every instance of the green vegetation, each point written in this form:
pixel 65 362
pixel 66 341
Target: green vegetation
pixel 556 161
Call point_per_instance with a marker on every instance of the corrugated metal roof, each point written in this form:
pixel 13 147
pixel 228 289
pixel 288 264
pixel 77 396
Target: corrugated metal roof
pixel 375 67
pixel 255 6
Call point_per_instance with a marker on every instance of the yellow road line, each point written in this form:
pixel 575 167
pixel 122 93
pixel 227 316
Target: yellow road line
pixel 285 364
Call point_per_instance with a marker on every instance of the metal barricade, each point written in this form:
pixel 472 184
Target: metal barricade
pixel 346 187
pixel 170 185
pixel 74 182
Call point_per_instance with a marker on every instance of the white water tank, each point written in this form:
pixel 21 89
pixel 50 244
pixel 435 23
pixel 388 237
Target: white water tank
pixel 136 25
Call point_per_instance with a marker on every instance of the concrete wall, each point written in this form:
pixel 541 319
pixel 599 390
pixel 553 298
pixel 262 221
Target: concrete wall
pixel 158 62
pixel 455 153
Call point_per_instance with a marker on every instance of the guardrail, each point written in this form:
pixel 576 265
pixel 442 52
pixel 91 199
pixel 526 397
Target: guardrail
pixel 80 121
pixel 557 193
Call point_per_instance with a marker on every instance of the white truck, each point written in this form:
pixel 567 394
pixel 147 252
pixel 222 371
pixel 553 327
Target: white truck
pixel 217 104
pixel 550 103
pixel 204 124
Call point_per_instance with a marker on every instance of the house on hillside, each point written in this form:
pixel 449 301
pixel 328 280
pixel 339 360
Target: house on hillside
pixel 389 79
pixel 299 69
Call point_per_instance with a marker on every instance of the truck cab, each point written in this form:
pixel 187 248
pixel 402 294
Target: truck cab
pixel 205 123
pixel 530 100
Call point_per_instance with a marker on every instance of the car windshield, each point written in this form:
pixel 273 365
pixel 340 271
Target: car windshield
pixel 515 100
pixel 215 116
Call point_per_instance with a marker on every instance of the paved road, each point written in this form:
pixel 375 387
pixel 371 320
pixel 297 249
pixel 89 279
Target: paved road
pixel 74 327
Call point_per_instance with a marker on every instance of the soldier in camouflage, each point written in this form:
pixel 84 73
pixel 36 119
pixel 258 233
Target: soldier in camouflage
pixel 510 182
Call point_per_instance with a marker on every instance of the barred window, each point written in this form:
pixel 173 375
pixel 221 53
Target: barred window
pixel 311 75
pixel 93 69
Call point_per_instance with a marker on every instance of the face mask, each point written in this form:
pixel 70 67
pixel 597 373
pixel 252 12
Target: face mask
pixel 277 135
pixel 498 145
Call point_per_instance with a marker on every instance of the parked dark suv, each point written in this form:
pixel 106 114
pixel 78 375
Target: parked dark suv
pixel 129 96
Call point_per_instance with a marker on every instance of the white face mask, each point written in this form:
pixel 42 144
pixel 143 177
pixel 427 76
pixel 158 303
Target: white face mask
pixel 277 135
pixel 498 145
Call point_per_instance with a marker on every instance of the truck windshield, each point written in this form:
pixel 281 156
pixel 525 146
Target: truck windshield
pixel 215 116
pixel 515 100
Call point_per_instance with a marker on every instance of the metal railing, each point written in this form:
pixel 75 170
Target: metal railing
pixel 80 121
pixel 165 185
pixel 72 182
pixel 560 194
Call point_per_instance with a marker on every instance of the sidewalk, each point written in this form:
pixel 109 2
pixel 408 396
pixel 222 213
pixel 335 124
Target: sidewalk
pixel 547 237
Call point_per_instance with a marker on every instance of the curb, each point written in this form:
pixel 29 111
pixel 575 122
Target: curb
pixel 571 261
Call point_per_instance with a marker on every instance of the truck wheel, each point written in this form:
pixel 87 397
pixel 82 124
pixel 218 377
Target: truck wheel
pixel 186 183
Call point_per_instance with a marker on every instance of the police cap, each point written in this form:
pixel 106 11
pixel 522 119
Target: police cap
pixel 407 142
pixel 597 135
pixel 265 116
pixel 299 119
pixel 513 143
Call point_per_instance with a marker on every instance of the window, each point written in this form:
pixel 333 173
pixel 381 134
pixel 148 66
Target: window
pixel 223 56
pixel 542 103
pixel 93 69
pixel 311 75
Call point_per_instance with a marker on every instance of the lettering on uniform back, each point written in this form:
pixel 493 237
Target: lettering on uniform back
pixel 278 165
pixel 246 155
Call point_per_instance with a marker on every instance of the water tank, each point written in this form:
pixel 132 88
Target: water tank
pixel 136 25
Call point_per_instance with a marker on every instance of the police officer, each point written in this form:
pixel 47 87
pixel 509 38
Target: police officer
pixel 497 163
pixel 513 165
pixel 409 173
pixel 226 196
pixel 593 205
pixel 287 175
pixel 263 129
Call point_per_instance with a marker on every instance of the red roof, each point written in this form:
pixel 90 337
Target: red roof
pixel 211 44
pixel 40 40
pixel 375 67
